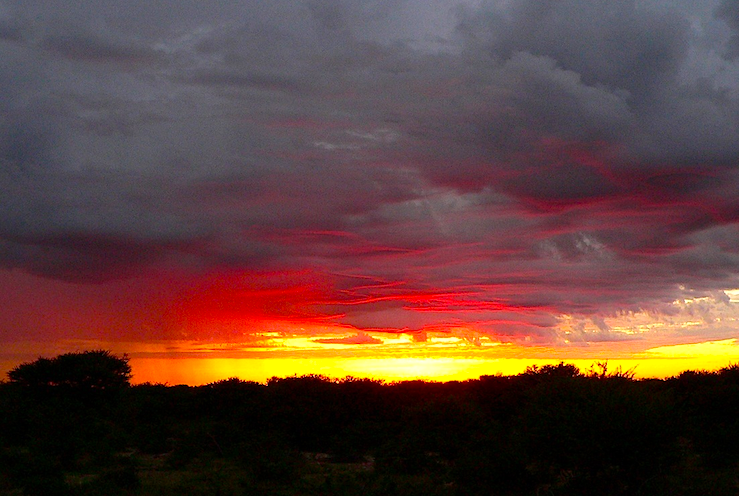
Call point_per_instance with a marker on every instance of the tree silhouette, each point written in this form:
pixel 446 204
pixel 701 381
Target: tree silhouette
pixel 95 370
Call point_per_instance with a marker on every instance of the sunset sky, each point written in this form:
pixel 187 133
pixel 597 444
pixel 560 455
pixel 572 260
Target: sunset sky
pixel 385 188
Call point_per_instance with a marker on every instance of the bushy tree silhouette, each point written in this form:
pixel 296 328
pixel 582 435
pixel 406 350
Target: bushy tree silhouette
pixel 95 369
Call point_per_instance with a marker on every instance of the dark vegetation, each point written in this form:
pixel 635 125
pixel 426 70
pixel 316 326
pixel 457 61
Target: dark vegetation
pixel 73 425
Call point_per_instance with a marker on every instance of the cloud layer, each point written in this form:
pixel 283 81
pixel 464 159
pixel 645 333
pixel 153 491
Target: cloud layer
pixel 394 165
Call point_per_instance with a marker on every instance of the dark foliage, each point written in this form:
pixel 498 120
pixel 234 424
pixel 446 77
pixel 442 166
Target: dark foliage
pixel 552 430
pixel 96 369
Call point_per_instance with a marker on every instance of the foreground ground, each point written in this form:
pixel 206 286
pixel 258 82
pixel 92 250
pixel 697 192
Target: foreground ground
pixel 552 430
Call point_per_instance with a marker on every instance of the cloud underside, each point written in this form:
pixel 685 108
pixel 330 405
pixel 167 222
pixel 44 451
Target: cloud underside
pixel 386 165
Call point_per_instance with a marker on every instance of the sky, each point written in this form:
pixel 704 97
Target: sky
pixel 395 188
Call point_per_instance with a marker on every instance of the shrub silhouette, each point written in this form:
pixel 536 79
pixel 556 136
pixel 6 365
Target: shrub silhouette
pixel 96 369
pixel 599 434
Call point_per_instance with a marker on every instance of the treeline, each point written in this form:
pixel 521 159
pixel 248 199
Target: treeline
pixel 551 430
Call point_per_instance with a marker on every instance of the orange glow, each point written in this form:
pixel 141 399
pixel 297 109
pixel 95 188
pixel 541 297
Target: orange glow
pixel 256 326
pixel 195 371
pixel 440 358
pixel 203 370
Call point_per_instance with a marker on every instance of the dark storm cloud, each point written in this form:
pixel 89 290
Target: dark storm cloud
pixel 611 71
pixel 728 11
pixel 613 44
pixel 85 46
pixel 9 32
pixel 507 161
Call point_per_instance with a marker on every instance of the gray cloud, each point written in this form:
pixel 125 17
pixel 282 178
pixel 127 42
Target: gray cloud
pixel 89 47
pixel 569 156
pixel 728 11
pixel 615 44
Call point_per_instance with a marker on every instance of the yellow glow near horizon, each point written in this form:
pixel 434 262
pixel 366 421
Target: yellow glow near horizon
pixel 197 371
pixel 450 359
pixel 440 358
pixel 726 348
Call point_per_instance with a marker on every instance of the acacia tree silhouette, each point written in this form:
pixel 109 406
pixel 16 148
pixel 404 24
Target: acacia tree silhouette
pixel 94 370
